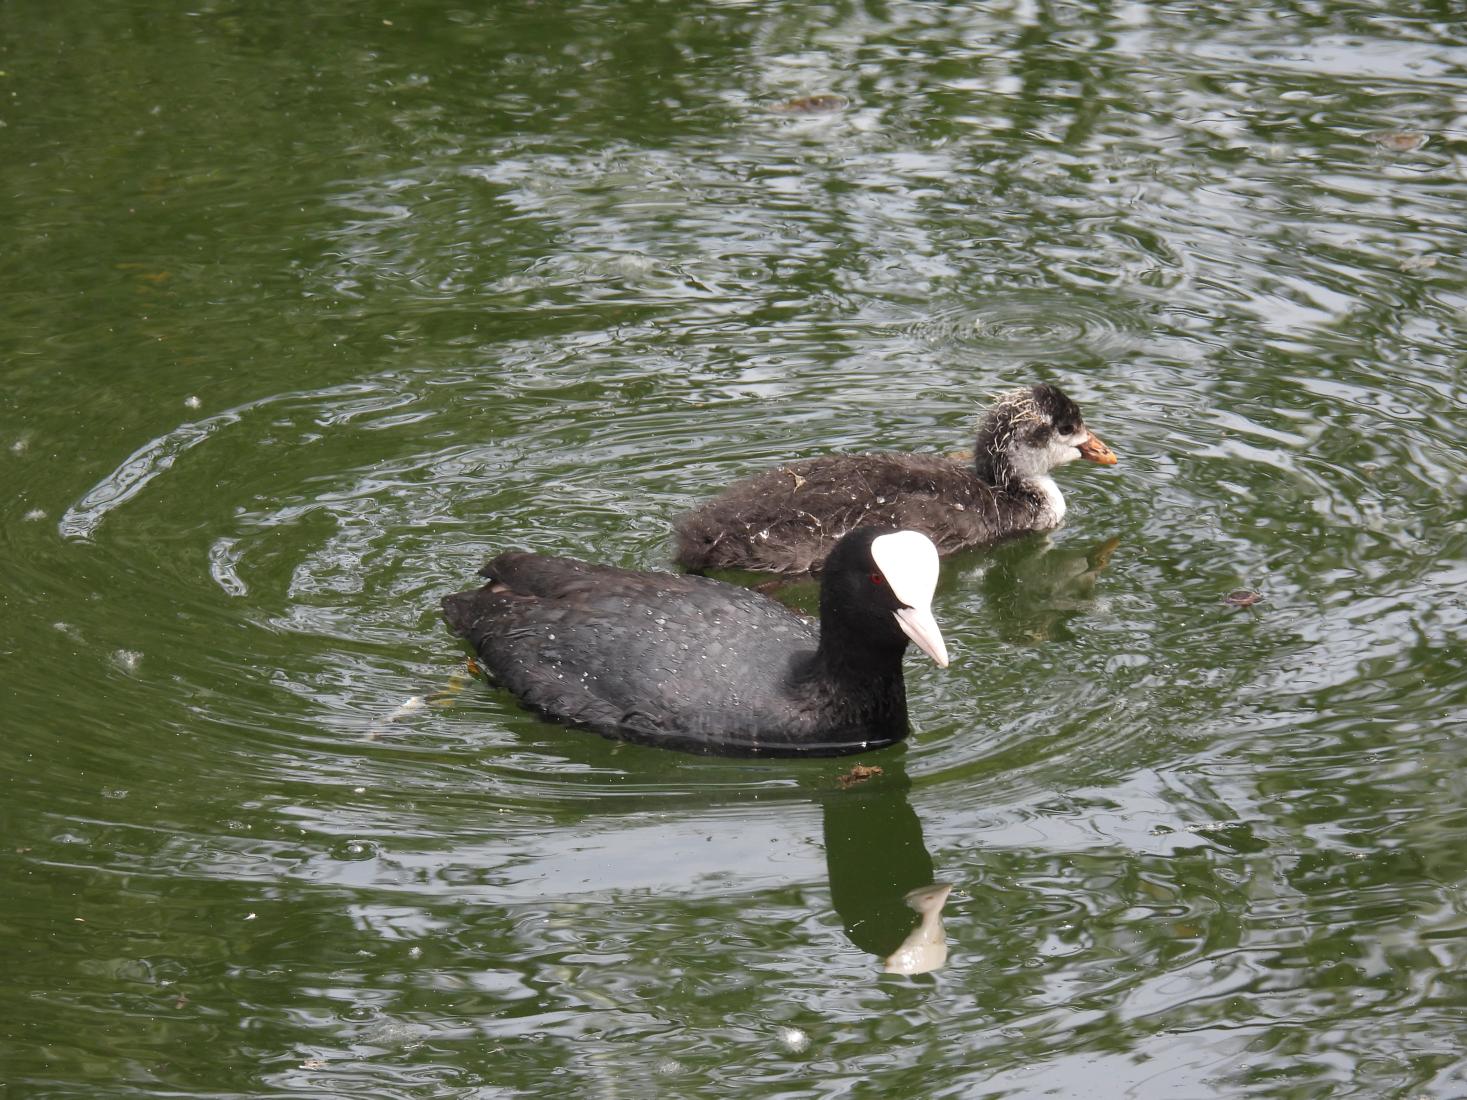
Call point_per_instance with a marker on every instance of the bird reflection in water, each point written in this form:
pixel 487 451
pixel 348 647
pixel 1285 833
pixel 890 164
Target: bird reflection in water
pixel 881 876
pixel 925 947
pixel 1033 593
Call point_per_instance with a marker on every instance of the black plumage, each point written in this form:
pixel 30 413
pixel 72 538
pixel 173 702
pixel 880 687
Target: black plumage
pixel 693 663
pixel 786 519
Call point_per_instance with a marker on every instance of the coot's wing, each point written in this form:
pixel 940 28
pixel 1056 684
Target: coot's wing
pixel 562 578
pixel 681 661
pixel 523 574
pixel 787 519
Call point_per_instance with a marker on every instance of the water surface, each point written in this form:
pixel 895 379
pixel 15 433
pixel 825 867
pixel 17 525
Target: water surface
pixel 311 310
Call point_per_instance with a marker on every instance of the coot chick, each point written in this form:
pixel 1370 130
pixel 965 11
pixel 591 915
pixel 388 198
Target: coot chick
pixel 692 663
pixel 785 520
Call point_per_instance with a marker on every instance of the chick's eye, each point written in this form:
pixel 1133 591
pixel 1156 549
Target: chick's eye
pixel 1069 427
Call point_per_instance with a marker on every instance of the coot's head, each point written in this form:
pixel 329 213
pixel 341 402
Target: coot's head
pixel 877 588
pixel 1029 432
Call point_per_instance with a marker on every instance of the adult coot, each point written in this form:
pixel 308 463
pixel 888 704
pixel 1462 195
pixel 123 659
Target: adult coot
pixel 696 664
pixel 785 520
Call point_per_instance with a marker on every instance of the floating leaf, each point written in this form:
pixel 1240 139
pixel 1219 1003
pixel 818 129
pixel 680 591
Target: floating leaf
pixel 826 104
pixel 1398 141
pixel 859 773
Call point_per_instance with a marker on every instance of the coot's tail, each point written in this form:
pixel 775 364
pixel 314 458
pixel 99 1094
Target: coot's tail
pixel 463 609
pixel 694 546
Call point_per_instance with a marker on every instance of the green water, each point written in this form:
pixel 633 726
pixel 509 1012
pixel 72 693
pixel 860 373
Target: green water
pixel 310 308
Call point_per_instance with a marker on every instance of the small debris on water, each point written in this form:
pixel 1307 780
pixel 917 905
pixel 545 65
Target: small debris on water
pixel 826 104
pixel 1242 597
pixel 412 705
pixel 793 1039
pixel 34 514
pixel 1398 141
pixel 1418 263
pixel 859 773
pixel 193 402
pixel 405 709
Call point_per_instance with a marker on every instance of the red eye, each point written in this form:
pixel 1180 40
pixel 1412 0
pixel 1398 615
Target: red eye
pixel 877 578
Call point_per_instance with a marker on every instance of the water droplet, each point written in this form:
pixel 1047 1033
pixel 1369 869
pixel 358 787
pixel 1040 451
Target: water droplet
pixel 129 660
pixel 793 1039
pixel 354 851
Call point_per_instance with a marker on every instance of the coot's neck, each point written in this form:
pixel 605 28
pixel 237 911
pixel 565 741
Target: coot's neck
pixel 860 658
pixel 991 467
pixel 1037 495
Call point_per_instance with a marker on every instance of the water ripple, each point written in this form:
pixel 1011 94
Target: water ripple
pixel 1033 325
pixel 157 456
pixel 1197 848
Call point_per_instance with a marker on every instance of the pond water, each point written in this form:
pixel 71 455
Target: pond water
pixel 310 309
